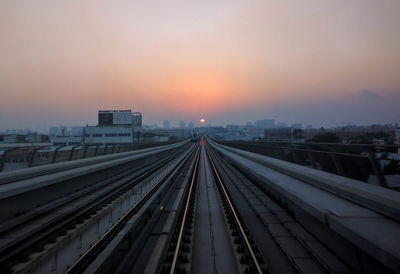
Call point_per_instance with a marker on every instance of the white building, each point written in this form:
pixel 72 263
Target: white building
pixel 65 140
pixel 96 135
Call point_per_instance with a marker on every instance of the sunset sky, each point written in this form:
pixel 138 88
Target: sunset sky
pixel 311 61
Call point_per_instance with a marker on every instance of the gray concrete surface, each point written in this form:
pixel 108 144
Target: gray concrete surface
pixel 374 233
pixel 212 249
pixel 375 197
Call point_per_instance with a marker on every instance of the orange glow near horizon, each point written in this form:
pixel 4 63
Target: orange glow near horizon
pixel 181 59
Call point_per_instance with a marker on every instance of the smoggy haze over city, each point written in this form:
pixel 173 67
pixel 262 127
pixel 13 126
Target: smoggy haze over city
pixel 311 61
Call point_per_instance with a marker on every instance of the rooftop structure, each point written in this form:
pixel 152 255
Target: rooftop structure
pixel 115 117
pixel 137 119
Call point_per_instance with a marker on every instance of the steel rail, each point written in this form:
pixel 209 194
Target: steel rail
pixel 235 215
pixel 74 268
pixel 178 245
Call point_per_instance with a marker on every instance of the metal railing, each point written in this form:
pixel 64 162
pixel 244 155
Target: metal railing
pixel 356 161
pixel 23 157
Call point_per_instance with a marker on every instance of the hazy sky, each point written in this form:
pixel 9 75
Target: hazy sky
pixel 311 61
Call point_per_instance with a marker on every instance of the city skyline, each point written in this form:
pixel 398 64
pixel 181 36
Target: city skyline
pixel 189 125
pixel 320 63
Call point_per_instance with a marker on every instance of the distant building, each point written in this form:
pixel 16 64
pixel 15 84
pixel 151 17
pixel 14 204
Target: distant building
pixel 182 124
pixel 14 138
pixel 37 138
pixel 191 125
pixel 166 124
pixel 66 140
pixel 54 130
pixel 397 137
pixel 178 132
pixel 114 127
pixel 163 135
pixel 96 135
pixel 278 134
pixel 311 133
pixel 234 127
pixel 254 131
pixel 266 123
pixel 296 125
pixel 76 131
pixel 115 117
pixel 23 138
pixel 281 124
pixel 137 119
pixel 347 133
pixel 259 123
pixel 63 130
pixel 397 134
pixel 269 123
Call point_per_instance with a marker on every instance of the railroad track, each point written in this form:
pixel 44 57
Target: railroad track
pixel 286 246
pixel 257 262
pixel 30 233
pixel 265 239
pixel 206 213
pixel 209 211
pixel 146 206
pixel 187 214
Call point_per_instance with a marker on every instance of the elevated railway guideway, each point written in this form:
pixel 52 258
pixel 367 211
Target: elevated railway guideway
pixel 195 207
pixel 357 223
pixel 51 216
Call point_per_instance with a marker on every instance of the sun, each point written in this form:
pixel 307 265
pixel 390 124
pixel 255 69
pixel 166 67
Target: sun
pixel 202 121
